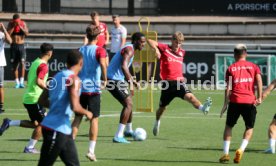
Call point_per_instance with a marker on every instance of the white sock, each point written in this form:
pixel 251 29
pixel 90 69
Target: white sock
pixel 92 145
pixel 129 127
pixel 157 123
pixel 200 107
pixel 22 80
pixel 120 131
pixel 272 144
pixel 17 81
pixel 244 144
pixel 226 147
pixel 31 144
pixel 14 123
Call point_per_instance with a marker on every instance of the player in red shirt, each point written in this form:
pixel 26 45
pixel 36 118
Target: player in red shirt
pixel 240 99
pixel 171 63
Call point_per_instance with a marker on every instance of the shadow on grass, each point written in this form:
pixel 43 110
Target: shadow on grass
pixel 3 151
pixel 16 160
pixel 157 161
pixel 20 140
pixel 218 149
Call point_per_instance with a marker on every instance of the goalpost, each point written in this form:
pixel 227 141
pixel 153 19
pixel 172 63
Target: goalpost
pixel 267 64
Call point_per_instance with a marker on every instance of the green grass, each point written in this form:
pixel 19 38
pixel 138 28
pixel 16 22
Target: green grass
pixel 187 137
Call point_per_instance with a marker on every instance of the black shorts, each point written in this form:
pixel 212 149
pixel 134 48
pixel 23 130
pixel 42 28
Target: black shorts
pixel 247 111
pixel 92 103
pixel 58 144
pixel 118 89
pixel 170 90
pixel 36 112
pixel 274 117
pixel 18 54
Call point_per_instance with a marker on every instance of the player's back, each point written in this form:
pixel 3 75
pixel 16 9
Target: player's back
pixel 242 76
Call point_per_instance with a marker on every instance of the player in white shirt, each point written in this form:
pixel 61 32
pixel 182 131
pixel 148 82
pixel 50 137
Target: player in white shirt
pixel 4 38
pixel 118 36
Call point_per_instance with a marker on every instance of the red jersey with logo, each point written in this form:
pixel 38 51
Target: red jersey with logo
pixel 171 63
pixel 102 36
pixel 241 77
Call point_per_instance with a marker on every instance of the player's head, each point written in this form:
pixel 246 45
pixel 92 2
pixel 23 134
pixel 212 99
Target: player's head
pixel 74 59
pixel 116 19
pixel 240 51
pixel 15 16
pixel 95 17
pixel 177 40
pixel 92 32
pixel 46 50
pixel 138 40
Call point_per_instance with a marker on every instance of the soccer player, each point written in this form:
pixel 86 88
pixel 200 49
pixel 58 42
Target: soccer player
pixel 63 99
pixel 171 63
pixel 18 30
pixel 103 38
pixel 94 65
pixel 118 36
pixel 272 126
pixel 118 70
pixel 37 78
pixel 4 38
pixel 240 99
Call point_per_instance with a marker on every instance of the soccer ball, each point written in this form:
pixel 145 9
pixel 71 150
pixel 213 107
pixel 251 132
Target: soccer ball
pixel 140 134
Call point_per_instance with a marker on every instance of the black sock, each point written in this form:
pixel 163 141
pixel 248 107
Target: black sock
pixel 1 106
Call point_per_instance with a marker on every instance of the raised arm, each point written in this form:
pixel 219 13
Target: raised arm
pixel 268 90
pixel 25 29
pixel 8 38
pixel 154 45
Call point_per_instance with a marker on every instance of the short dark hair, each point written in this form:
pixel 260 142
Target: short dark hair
pixel 46 47
pixel 94 13
pixel 92 32
pixel 73 58
pixel 115 16
pixel 136 36
pixel 239 49
pixel 15 16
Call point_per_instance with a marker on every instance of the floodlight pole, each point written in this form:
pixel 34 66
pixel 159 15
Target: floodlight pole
pixel 23 6
pixel 110 7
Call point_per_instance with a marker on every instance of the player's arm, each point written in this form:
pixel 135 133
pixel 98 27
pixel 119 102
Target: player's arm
pixel 127 55
pixel 44 98
pixel 124 36
pixel 259 89
pixel 42 70
pixel 85 40
pixel 268 90
pixel 227 92
pixel 102 60
pixel 106 37
pixel 25 29
pixel 154 45
pixel 74 98
pixel 8 38
pixel 10 28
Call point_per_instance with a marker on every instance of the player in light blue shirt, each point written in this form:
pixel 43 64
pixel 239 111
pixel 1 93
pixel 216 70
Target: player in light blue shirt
pixel 63 99
pixel 117 73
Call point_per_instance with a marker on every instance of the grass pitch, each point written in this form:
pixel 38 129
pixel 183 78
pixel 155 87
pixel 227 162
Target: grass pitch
pixel 187 137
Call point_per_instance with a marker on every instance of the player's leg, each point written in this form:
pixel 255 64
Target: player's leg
pixel 119 90
pixel 36 114
pixel 22 52
pixel 272 136
pixel 14 63
pixel 248 112
pixel 52 145
pixel 197 104
pixel 1 89
pixel 78 118
pixel 167 95
pixel 69 154
pixel 94 105
pixel 231 119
